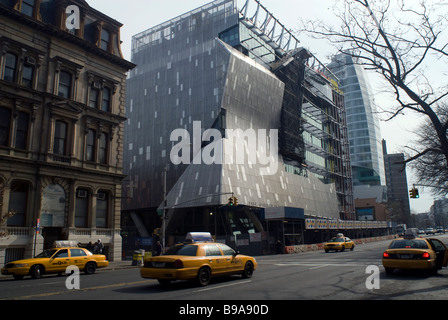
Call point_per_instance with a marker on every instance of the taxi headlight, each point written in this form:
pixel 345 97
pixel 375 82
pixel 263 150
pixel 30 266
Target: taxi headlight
pixel 21 265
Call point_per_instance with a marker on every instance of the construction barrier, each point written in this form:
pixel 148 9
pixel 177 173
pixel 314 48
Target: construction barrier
pixel 320 246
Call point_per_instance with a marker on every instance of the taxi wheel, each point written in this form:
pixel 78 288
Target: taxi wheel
pixel 204 276
pixel 342 249
pixel 36 271
pixel 248 270
pixel 352 248
pixel 90 268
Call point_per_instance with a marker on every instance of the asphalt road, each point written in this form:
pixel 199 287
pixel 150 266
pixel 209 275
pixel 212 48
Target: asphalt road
pixel 307 276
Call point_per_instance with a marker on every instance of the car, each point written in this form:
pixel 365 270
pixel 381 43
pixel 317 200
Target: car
pixel 339 243
pixel 440 230
pixel 430 231
pixel 197 260
pixel 56 261
pixel 414 252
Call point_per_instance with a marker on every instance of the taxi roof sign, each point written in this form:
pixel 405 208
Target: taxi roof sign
pixel 65 243
pixel 199 237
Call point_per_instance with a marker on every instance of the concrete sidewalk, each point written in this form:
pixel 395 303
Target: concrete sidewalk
pixel 117 265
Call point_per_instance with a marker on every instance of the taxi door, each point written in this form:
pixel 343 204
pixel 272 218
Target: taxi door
pixel 441 252
pixel 78 258
pixel 234 264
pixel 215 258
pixel 59 262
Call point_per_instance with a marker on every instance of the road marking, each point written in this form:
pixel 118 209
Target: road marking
pixel 223 286
pixel 49 294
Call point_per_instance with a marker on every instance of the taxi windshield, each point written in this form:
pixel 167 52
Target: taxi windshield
pixel 409 244
pixel 337 240
pixel 182 250
pixel 46 254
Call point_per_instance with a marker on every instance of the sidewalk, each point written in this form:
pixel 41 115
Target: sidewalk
pixel 117 265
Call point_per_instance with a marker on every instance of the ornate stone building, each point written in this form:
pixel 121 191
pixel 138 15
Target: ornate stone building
pixel 62 107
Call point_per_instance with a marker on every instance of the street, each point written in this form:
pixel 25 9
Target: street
pixel 307 276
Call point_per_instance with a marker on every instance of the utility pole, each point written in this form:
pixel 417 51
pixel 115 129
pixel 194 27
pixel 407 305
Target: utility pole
pixel 164 207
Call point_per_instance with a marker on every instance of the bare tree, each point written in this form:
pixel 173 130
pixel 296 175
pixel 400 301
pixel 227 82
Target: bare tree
pixel 399 40
pixel 429 165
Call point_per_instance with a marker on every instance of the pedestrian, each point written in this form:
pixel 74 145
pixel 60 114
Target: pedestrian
pixel 98 247
pixel 158 249
pixel 279 247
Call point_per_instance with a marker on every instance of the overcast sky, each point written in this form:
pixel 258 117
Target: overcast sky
pixel 144 14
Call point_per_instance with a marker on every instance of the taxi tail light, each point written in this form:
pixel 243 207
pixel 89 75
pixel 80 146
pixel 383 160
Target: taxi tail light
pixel 178 264
pixel 425 255
pixel 386 255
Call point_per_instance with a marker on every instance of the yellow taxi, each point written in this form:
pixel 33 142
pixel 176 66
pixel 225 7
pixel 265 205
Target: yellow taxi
pixel 412 252
pixel 198 260
pixel 56 261
pixel 340 242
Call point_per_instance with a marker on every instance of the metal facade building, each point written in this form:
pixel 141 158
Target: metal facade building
pixel 225 94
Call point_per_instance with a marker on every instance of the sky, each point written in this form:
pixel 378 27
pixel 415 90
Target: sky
pixel 144 14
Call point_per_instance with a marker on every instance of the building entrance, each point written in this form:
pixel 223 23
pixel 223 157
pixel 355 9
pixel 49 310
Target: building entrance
pixel 52 234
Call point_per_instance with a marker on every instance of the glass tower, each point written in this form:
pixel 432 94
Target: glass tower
pixel 362 121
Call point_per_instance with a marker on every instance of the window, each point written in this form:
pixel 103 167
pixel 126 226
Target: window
pixel 27 7
pixel 82 208
pixel 5 123
pixel 105 39
pixel 65 84
pixel 10 67
pixel 18 199
pixel 60 138
pixel 212 250
pixel 93 99
pixel 90 147
pixel 102 209
pixel 22 131
pixel 77 253
pixel 61 254
pixel 27 76
pixel 103 148
pixel 226 250
pixel 105 106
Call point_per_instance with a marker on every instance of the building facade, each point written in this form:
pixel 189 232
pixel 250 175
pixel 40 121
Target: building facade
pixel 362 121
pixel 62 107
pixel 221 105
pixel 397 187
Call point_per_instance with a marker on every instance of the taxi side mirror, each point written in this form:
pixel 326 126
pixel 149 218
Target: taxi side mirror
pixel 235 253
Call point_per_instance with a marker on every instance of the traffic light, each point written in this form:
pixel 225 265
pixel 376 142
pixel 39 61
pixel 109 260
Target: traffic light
pixel 414 194
pixel 233 201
